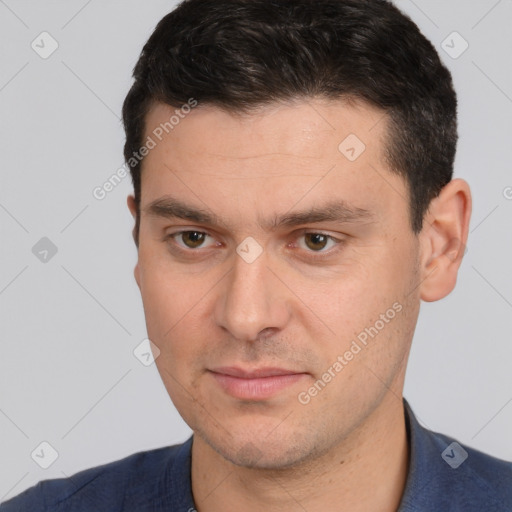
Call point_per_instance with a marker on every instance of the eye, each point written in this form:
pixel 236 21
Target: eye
pixel 317 242
pixel 311 242
pixel 190 239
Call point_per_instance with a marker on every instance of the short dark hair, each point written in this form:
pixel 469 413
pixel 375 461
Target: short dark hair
pixel 240 55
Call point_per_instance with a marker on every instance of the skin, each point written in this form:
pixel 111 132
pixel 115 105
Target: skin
pixel 298 306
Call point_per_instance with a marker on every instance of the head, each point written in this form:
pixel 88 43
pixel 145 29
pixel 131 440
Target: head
pixel 293 200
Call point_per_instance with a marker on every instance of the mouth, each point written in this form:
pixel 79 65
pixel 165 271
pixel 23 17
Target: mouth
pixel 257 384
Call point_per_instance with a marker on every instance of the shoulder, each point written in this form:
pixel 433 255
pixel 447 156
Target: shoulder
pixel 447 475
pixel 484 479
pixel 132 483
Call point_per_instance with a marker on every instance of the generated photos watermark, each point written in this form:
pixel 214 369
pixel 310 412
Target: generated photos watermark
pixel 157 135
pixel 363 338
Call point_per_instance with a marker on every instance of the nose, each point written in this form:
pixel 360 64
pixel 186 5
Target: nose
pixel 252 301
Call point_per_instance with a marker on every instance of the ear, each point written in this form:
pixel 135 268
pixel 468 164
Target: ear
pixel 443 240
pixel 132 206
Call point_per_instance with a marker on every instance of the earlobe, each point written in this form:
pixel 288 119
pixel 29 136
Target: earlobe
pixel 443 240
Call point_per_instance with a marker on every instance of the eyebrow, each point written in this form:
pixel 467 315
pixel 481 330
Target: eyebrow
pixel 333 211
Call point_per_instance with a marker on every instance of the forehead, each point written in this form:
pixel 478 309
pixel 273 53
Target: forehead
pixel 309 151
pixel 300 129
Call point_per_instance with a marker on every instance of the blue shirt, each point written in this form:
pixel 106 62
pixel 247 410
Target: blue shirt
pixel 443 476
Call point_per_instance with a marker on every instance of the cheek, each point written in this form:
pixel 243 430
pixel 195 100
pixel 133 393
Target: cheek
pixel 174 307
pixel 352 299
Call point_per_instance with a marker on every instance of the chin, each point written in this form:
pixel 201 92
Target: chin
pixel 262 456
pixel 256 450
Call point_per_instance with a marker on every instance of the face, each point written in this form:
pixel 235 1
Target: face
pixel 279 274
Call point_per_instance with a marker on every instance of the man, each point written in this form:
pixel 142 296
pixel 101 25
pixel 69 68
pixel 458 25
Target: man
pixel 293 201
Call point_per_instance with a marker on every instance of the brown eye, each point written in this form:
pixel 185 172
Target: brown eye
pixel 193 239
pixel 316 241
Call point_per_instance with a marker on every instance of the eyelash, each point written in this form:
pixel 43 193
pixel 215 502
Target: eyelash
pixel 317 255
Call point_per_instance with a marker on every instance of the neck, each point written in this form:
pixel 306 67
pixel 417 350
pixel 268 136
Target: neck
pixel 366 472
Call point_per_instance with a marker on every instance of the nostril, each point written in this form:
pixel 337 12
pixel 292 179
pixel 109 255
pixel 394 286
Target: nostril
pixel 265 333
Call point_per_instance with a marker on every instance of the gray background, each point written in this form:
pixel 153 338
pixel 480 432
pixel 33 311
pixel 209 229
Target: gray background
pixel 68 375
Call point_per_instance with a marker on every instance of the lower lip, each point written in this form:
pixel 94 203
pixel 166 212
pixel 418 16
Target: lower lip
pixel 258 388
